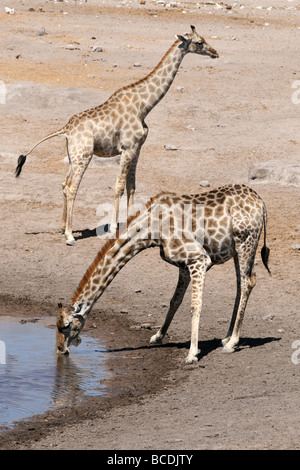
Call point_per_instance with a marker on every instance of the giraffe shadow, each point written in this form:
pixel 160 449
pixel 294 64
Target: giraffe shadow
pixel 100 231
pixel 205 347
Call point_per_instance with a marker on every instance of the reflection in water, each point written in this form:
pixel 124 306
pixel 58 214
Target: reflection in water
pixel 34 379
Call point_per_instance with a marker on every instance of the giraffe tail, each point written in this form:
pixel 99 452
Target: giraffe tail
pixel 265 251
pixel 22 158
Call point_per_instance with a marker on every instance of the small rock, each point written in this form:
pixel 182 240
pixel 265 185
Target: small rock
pixel 9 11
pixel 181 89
pixel 97 49
pixel 170 147
pixel 146 326
pixel 283 172
pixel 41 32
pixel 205 184
pixel 269 317
pixel 71 47
pixel 125 312
pixel 137 64
pixel 296 247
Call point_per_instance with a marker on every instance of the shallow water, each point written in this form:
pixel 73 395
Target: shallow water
pixel 34 379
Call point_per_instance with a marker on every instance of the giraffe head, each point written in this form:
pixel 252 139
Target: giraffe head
pixel 196 44
pixel 69 324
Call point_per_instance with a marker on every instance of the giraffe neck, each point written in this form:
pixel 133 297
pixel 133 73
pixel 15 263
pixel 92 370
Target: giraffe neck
pixel 109 261
pixel 155 85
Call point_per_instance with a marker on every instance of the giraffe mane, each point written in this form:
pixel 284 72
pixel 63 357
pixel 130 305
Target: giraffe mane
pixel 126 87
pixel 100 255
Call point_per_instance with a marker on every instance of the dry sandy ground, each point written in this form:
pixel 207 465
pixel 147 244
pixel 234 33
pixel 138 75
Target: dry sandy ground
pixel 224 116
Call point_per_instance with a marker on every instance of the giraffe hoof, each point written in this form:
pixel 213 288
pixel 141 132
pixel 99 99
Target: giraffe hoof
pixel 156 339
pixel 224 341
pixel 227 349
pixel 191 359
pixel 71 242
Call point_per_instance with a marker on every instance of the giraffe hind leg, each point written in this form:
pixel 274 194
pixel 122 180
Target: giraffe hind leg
pixel 246 280
pixel 70 192
pixel 64 214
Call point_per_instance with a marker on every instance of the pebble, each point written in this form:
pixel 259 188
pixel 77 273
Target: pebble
pixel 9 11
pixel 41 32
pixel 170 147
pixel 269 317
pixel 97 49
pixel 205 184
pixel 71 47
pixel 296 247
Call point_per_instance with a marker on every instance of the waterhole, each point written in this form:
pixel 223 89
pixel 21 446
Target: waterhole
pixel 33 378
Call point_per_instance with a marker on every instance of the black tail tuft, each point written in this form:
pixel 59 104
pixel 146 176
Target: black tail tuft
pixel 21 161
pixel 265 252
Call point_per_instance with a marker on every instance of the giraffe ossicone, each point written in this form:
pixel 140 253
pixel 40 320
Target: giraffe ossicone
pixel 117 127
pixel 233 219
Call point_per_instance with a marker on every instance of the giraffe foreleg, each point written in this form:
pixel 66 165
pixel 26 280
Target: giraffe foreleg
pixel 130 184
pixel 127 157
pixel 182 285
pixel 131 176
pixel 197 270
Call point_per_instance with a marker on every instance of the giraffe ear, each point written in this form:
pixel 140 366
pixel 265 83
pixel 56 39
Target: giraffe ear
pixel 184 41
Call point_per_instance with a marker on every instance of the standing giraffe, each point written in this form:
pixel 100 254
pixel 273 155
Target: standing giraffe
pixel 117 127
pixel 193 233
